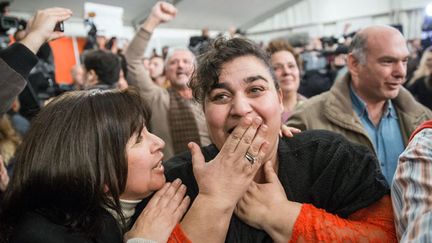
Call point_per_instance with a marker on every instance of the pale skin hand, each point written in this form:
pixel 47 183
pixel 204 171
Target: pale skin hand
pixel 288 131
pixel 4 177
pixel 40 27
pixel 223 181
pixel 227 176
pixel 162 213
pixel 265 206
pixel 162 12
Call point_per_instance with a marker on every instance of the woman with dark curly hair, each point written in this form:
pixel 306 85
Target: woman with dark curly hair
pixel 314 187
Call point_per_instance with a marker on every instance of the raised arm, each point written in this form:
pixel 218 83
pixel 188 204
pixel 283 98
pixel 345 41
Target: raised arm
pixel 137 74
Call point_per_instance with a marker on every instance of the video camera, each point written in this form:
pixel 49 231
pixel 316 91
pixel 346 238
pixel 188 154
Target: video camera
pixel 8 22
pixel 330 40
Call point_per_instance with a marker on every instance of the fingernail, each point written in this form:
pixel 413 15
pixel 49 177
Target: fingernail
pixel 258 120
pixel 177 181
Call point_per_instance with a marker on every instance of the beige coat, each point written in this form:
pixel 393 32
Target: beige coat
pixel 332 110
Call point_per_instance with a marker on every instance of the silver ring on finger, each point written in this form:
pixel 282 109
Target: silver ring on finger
pixel 252 159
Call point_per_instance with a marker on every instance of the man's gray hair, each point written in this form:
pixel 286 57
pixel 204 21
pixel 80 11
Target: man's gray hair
pixel 171 51
pixel 358 47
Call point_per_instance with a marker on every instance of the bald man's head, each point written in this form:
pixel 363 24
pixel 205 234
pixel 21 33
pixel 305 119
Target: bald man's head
pixel 378 63
pixel 369 36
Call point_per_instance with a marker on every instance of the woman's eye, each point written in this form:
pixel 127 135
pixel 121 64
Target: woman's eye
pixel 256 90
pixel 277 68
pixel 219 97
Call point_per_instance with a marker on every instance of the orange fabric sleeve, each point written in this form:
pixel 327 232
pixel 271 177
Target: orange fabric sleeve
pixel 178 236
pixel 371 224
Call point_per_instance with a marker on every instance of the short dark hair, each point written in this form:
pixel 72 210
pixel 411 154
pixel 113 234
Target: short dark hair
pixel 283 45
pixel 74 152
pixel 218 53
pixel 105 64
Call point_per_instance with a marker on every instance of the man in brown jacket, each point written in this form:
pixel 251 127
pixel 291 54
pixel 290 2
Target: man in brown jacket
pixel 369 105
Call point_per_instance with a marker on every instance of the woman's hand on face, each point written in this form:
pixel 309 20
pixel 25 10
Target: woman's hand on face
pixel 162 213
pixel 262 202
pixel 226 178
pixel 288 131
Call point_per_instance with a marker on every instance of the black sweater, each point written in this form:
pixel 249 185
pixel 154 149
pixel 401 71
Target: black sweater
pixel 317 167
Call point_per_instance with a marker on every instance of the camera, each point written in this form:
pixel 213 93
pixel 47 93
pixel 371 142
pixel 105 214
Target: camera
pixel 8 22
pixel 59 27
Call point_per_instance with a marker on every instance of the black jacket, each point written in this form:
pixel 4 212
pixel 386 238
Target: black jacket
pixel 16 61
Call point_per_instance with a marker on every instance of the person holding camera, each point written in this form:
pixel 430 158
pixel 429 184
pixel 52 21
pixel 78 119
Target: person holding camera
pixel 17 60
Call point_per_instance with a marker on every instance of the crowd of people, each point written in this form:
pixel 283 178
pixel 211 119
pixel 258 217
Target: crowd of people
pixel 239 143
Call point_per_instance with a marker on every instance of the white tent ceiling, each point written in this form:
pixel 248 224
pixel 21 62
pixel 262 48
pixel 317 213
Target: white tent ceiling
pixel 193 14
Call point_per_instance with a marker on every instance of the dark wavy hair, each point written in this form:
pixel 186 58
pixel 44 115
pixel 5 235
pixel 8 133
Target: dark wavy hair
pixel 72 165
pixel 221 51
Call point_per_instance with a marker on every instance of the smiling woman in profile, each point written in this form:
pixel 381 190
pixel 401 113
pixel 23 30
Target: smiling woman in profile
pixel 87 160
